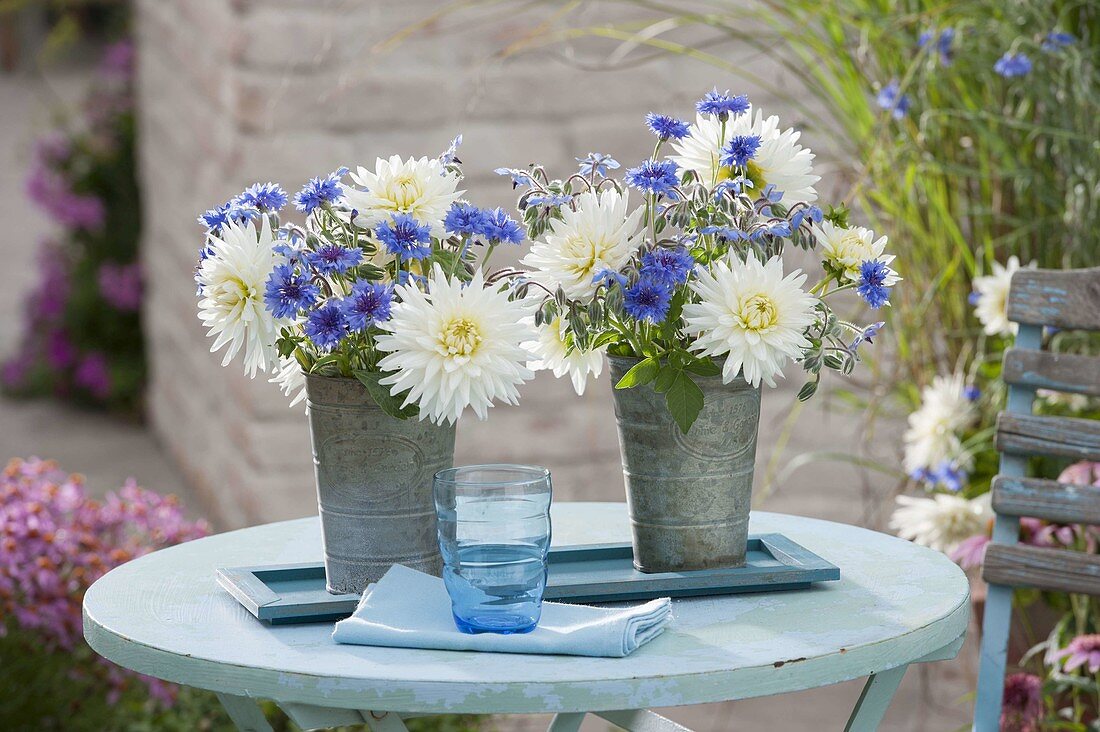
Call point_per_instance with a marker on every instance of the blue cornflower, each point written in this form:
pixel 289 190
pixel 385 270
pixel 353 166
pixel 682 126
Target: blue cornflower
pixel 740 150
pixel 406 237
pixel 608 278
pixel 231 211
pixel 666 127
pixel 450 155
pixel 866 335
pixel 549 199
pixel 464 218
pixel 1057 40
pixel 320 191
pixel 333 259
pixel 288 293
pixel 647 300
pixel 943 43
pixel 499 226
pixel 654 176
pixel 597 164
pixel 1013 64
pixel 891 100
pixel 974 298
pixel 972 393
pixel 872 283
pixel 668 266
pixel 722 105
pixel 327 325
pixel 519 177
pixel 368 304
pixel 262 196
pixel 949 476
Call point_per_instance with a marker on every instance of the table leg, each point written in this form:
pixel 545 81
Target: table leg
pixel 876 696
pixel 566 722
pixel 245 713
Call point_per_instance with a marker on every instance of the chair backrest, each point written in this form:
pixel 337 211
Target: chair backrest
pixel 1068 300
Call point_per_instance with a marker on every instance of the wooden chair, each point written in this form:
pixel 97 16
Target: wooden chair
pixel 1037 298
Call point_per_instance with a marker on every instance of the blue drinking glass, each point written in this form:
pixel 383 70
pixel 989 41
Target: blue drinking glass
pixel 494 534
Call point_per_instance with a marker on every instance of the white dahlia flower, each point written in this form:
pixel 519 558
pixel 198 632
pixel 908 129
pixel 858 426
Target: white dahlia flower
pixel 779 160
pixel 291 379
pixel 231 277
pixel 552 354
pixel 422 188
pixel 601 234
pixel 846 249
pixel 992 292
pixel 456 346
pixel 942 521
pixel 933 434
pixel 752 314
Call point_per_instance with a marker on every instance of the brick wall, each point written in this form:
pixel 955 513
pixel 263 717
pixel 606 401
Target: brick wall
pixel 235 91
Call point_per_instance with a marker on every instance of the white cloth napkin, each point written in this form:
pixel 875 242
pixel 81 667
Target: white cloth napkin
pixel 410 609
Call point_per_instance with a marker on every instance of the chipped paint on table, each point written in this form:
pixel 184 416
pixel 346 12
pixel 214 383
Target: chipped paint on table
pixel 896 603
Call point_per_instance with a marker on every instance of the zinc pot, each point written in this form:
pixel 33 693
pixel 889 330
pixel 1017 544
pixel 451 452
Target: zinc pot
pixel 688 495
pixel 374 484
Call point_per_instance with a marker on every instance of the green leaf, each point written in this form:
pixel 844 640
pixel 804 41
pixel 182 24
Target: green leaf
pixel 388 403
pixel 640 373
pixel 808 390
pixel 704 367
pixel 665 378
pixel 685 400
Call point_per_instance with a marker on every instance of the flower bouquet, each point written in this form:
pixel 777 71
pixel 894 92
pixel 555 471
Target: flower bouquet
pixel 376 311
pixel 686 294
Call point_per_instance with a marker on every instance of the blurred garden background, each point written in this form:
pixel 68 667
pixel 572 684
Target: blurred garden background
pixel 967 131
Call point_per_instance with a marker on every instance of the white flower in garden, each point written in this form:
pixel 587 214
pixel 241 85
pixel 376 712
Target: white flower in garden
pixel 779 160
pixel 552 354
pixel 231 277
pixel 992 294
pixel 291 379
pixel 455 346
pixel 753 313
pixel 848 248
pixel 600 234
pixel 933 434
pixel 422 188
pixel 942 521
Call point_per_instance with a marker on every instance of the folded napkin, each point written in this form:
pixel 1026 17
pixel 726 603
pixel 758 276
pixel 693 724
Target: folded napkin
pixel 410 609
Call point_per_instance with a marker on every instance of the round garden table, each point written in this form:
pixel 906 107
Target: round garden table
pixel 895 604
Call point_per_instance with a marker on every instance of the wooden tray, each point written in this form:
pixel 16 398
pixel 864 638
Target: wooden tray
pixel 295 593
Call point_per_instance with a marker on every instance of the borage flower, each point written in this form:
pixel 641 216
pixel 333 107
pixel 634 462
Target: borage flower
pixel 595 163
pixel 552 353
pixel 368 304
pixel 320 191
pixel 333 259
pixel 498 226
pixel 647 300
pixel 751 314
pixel 654 176
pixel 458 345
pixel 405 237
pixel 665 127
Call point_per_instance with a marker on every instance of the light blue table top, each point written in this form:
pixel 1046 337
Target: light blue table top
pixel 165 615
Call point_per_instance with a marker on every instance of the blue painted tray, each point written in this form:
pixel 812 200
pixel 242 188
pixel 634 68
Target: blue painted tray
pixel 295 593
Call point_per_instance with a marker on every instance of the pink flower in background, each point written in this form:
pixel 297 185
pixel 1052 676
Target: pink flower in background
pixel 1081 473
pixel 120 285
pixel 1082 651
pixel 53 148
pixel 14 371
pixel 970 552
pixel 54 542
pixel 1023 703
pixel 60 351
pixel 52 193
pixel 94 375
pixel 118 60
